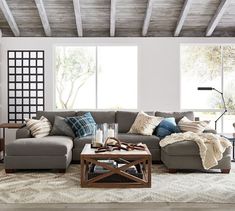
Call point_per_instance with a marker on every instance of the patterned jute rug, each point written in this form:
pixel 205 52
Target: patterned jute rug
pixel 49 187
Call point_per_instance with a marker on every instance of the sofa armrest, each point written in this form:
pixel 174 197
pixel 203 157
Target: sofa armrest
pixel 210 131
pixel 23 132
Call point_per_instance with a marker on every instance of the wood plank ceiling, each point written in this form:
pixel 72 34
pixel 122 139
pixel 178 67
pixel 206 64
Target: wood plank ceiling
pixel 119 18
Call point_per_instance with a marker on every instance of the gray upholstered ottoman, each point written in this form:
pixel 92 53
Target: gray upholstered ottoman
pixel 185 155
pixel 51 152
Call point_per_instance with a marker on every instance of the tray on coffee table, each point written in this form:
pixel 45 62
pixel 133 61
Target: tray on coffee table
pixel 116 176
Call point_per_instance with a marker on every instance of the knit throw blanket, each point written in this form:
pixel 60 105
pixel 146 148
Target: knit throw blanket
pixel 211 146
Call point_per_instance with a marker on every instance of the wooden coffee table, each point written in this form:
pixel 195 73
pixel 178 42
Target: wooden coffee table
pixel 141 159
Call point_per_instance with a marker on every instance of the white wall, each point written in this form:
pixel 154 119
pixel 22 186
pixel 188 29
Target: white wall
pixel 158 72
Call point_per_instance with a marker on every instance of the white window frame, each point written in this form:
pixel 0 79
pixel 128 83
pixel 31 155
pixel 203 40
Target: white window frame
pixel 222 81
pixel 96 75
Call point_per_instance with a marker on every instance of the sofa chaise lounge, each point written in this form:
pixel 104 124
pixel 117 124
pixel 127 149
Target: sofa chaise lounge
pixel 56 152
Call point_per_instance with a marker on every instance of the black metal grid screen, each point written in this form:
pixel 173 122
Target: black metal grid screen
pixel 25 84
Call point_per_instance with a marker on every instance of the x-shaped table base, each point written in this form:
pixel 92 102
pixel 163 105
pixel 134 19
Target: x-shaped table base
pixel 133 181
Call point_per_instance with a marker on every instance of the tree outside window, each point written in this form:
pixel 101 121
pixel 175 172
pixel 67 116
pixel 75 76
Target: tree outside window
pixel 96 77
pixel 75 68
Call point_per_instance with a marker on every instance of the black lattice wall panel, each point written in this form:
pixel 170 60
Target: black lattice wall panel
pixel 25 84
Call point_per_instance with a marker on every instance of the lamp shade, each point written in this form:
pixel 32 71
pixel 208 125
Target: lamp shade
pixel 204 88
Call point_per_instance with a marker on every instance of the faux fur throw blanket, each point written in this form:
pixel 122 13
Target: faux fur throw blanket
pixel 211 146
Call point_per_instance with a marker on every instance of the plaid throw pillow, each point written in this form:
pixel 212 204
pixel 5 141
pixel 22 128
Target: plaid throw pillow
pixel 82 125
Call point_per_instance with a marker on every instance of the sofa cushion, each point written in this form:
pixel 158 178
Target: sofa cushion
pixel 61 128
pixel 166 127
pixel 182 148
pixel 210 130
pixel 80 142
pixel 186 125
pixel 50 115
pixel 145 124
pixel 125 119
pixel 100 117
pixel 39 127
pixel 23 132
pixel 82 125
pixel 46 146
pixel 177 115
pixel 151 141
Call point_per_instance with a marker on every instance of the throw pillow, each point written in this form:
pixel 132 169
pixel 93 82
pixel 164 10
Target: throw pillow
pixel 61 127
pixel 39 127
pixel 145 124
pixel 82 125
pixel 166 127
pixel 194 126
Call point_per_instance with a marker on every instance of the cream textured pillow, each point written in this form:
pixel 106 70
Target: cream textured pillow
pixel 194 126
pixel 145 124
pixel 39 128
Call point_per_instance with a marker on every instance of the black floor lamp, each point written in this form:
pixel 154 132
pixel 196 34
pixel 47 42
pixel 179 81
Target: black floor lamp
pixel 222 95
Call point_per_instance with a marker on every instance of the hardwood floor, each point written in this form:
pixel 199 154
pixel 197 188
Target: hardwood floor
pixel 119 206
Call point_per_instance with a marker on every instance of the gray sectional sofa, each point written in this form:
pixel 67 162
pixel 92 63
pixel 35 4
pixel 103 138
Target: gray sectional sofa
pixel 56 152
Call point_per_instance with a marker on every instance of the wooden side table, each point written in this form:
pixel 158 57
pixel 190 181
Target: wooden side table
pixel 8 126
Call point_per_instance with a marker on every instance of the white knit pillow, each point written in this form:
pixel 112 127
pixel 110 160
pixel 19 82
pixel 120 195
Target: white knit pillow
pixel 145 124
pixel 39 128
pixel 194 126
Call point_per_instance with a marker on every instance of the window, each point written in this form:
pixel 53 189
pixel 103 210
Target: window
pixel 209 66
pixel 25 84
pixel 90 77
pixel 75 77
pixel 117 77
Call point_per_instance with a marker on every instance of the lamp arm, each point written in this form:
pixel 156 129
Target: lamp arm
pixel 217 91
pixel 220 116
pixel 222 95
pixel 225 108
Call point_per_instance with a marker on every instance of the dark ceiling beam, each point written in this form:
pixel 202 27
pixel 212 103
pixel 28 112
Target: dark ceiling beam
pixel 9 17
pixel 147 18
pixel 182 17
pixel 78 17
pixel 43 17
pixel 112 17
pixel 216 18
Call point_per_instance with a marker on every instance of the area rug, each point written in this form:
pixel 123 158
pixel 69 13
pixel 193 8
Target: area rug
pixel 49 187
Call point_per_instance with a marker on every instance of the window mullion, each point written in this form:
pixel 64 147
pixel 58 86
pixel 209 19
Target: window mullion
pixel 222 82
pixel 96 78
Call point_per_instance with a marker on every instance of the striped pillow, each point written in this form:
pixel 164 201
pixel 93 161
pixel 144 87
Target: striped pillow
pixel 39 128
pixel 194 126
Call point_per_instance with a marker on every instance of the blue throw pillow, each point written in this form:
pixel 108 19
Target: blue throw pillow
pixel 82 125
pixel 167 127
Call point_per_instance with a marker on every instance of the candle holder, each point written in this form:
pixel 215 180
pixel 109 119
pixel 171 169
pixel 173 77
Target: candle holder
pixel 112 130
pixel 99 135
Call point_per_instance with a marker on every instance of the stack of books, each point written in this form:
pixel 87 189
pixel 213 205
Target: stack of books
pixel 100 169
pixel 130 170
